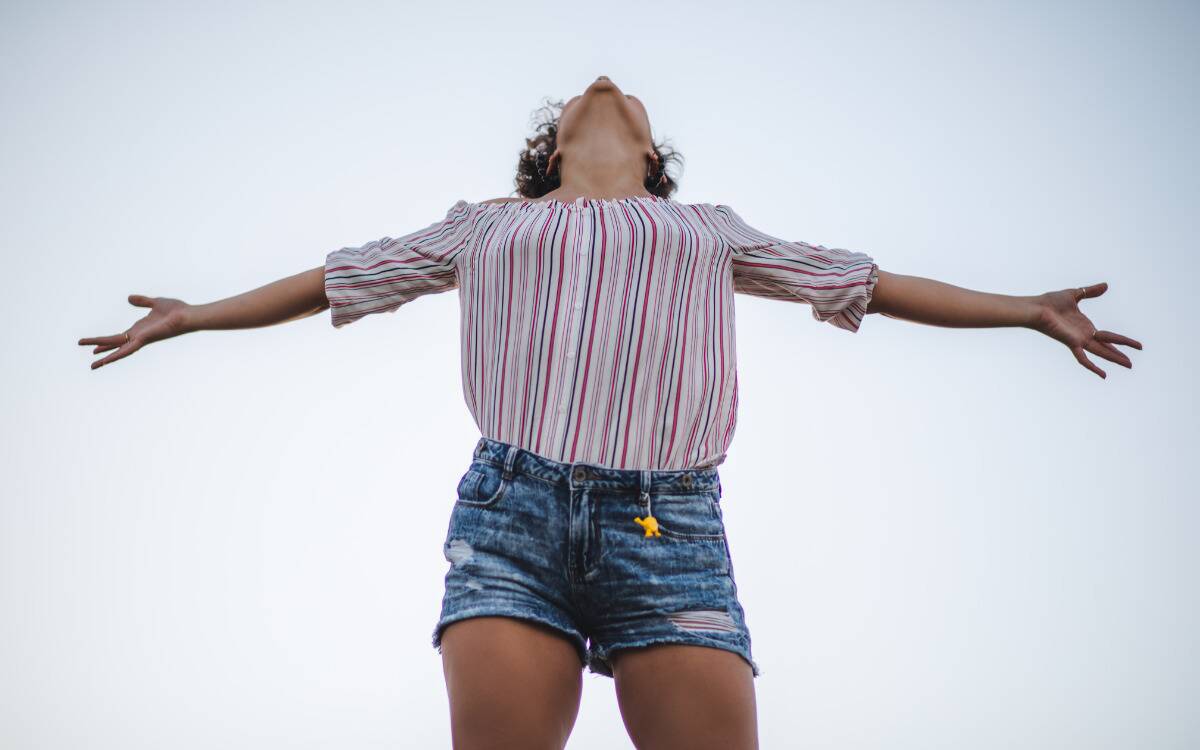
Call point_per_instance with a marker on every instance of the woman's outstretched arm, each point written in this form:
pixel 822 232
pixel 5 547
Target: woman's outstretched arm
pixel 299 296
pixel 1056 314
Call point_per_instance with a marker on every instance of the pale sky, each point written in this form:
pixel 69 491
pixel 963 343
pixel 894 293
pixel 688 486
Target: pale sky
pixel 213 544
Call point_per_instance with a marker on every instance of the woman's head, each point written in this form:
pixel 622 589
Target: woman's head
pixel 601 136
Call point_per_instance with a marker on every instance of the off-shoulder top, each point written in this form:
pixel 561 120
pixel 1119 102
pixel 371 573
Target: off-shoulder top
pixel 600 331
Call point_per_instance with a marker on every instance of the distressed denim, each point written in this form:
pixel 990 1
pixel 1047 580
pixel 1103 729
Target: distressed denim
pixel 572 546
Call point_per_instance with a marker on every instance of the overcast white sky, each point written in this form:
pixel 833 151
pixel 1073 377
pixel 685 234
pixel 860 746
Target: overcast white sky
pixel 204 546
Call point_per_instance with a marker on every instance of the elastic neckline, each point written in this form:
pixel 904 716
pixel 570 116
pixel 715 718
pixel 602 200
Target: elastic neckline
pixel 584 202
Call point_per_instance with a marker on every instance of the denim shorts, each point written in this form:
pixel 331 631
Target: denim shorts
pixel 575 547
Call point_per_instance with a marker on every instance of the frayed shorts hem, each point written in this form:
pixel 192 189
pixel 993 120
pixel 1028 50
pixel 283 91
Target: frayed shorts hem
pixel 572 635
pixel 596 659
pixel 600 657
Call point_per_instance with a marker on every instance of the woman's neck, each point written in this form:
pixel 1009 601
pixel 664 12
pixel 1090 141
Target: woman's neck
pixel 604 177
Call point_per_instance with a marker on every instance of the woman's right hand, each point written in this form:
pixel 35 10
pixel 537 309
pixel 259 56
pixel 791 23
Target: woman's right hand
pixel 165 320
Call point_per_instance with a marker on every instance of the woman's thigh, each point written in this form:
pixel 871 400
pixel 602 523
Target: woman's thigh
pixel 512 683
pixel 676 696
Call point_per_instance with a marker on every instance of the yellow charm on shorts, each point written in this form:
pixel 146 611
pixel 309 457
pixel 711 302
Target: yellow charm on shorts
pixel 650 524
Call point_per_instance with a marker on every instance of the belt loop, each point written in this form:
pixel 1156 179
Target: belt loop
pixel 478 447
pixel 509 460
pixel 650 523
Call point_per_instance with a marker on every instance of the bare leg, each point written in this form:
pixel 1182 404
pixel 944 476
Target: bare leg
pixel 512 683
pixel 674 696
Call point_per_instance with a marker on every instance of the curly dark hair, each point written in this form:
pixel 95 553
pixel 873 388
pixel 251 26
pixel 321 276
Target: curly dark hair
pixel 532 181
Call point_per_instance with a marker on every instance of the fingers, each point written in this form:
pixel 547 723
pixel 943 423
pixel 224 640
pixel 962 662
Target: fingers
pixel 116 340
pixel 105 343
pixel 1116 338
pixel 1083 360
pixel 1109 352
pixel 1095 290
pixel 120 353
pixel 122 342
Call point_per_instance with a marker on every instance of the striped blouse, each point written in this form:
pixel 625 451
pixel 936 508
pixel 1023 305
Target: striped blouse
pixel 600 331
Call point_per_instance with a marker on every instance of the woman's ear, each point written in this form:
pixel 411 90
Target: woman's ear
pixel 652 166
pixel 550 164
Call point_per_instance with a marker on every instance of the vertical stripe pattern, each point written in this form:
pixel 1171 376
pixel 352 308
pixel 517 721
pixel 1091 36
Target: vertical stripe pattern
pixel 837 283
pixel 384 274
pixel 601 330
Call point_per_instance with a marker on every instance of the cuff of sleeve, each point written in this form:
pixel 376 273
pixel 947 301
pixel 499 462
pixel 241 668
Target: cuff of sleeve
pixel 850 316
pixel 339 314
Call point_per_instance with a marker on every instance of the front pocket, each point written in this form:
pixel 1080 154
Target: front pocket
pixel 692 516
pixel 482 486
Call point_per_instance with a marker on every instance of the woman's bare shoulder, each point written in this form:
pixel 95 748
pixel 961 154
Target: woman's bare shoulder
pixel 503 200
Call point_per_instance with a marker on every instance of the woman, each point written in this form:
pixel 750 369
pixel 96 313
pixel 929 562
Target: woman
pixel 598 361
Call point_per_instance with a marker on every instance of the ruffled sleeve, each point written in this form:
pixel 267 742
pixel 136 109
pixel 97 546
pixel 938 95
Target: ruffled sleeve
pixel 837 283
pixel 383 274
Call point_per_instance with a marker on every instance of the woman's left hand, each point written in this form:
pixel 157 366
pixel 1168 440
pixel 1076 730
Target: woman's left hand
pixel 1060 319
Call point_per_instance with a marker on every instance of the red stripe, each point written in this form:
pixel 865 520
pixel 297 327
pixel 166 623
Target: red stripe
pixel 654 381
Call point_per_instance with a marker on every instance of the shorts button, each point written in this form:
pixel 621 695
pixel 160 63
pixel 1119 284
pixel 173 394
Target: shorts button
pixel 687 480
pixel 579 474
